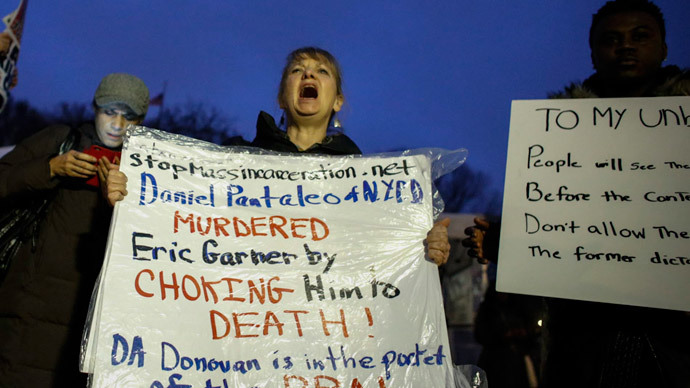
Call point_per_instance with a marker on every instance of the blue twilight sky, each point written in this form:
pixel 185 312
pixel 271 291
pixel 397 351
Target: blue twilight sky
pixel 416 73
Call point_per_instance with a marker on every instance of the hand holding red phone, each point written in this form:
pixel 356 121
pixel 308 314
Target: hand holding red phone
pixel 104 157
pixel 73 164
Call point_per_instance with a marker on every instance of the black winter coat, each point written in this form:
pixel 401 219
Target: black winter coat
pixel 270 137
pixel 45 296
pixel 590 344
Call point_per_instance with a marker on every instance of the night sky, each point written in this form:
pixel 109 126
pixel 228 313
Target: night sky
pixel 416 73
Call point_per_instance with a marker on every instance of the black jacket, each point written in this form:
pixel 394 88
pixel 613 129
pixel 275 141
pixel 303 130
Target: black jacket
pixel 670 81
pixel 270 137
pixel 589 344
pixel 45 296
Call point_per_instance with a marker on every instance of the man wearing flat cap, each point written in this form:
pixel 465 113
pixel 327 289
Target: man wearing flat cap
pixel 45 294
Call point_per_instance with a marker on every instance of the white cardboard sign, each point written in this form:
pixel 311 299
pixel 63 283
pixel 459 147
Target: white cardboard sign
pixel 597 201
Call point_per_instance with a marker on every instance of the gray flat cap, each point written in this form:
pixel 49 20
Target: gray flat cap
pixel 124 89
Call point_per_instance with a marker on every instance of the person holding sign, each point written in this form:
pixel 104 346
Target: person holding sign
pixel 589 344
pixel 46 292
pixel 310 94
pixel 628 43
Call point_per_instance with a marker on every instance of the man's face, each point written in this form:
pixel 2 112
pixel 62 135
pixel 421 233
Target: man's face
pixel 627 46
pixel 111 124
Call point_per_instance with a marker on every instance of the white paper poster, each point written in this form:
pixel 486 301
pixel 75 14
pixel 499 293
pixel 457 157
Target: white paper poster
pixel 597 201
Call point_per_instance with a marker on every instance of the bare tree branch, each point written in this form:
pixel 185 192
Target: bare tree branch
pixel 466 190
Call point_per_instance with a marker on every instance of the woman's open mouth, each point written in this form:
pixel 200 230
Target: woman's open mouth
pixel 308 91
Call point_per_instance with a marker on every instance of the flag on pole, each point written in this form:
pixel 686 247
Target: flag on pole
pixel 9 50
pixel 15 20
pixel 157 100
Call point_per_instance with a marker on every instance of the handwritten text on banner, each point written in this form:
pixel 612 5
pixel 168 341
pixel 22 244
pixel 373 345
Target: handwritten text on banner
pixel 597 201
pixel 231 269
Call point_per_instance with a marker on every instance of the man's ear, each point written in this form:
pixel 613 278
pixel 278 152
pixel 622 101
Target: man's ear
pixel 665 51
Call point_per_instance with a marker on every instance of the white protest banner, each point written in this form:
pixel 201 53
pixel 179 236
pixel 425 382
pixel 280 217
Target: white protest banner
pixel 597 201
pixel 14 23
pixel 230 269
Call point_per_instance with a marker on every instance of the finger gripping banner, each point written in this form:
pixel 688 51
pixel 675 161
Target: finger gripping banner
pixel 231 267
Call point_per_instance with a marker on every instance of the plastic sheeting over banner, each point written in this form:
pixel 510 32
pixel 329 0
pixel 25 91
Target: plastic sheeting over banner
pixel 228 268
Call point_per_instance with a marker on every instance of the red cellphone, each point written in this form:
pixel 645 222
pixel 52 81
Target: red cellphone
pixel 98 152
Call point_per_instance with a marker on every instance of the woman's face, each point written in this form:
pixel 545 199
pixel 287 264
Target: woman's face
pixel 311 93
